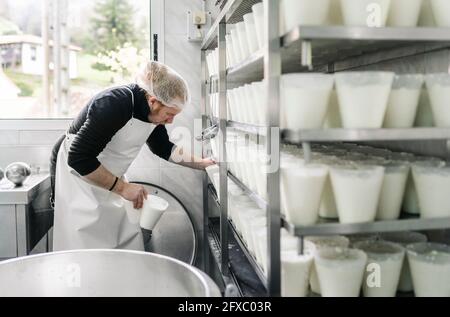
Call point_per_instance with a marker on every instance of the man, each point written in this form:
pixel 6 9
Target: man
pixel 89 162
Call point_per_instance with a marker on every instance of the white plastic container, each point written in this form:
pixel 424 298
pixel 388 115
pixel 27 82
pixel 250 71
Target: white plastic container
pixel 433 190
pixel 305 99
pixel 411 201
pixel 231 60
pixel 404 238
pixel 153 209
pixel 340 271
pixel 430 269
pixel 304 12
pixel 258 14
pixel 333 118
pixel 357 192
pixel 393 190
pixel 384 265
pixel 250 28
pixel 357 238
pixel 257 93
pixel 368 13
pixel 363 98
pixel 335 13
pixel 426 15
pixel 404 13
pixel 260 222
pixel 439 91
pixel 424 117
pixel 441 8
pixel 243 41
pixel 249 221
pixel 315 244
pixel 295 270
pixel 236 46
pixel 301 192
pixel 403 101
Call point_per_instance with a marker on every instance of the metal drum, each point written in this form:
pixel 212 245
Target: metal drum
pixel 174 235
pixel 103 273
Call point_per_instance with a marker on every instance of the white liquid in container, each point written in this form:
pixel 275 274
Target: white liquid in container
pixel 393 190
pixel 441 8
pixel 433 190
pixel 365 12
pixel 258 14
pixel 363 98
pixel 340 271
pixel 153 209
pixel 426 14
pixel 404 13
pixel 357 192
pixel 288 243
pixel 305 99
pixel 328 208
pixel 382 274
pixel 439 91
pixel 333 118
pixel 404 238
pixel 313 245
pixel 403 101
pixel 335 13
pixel 424 117
pixel 402 108
pixel 301 192
pixel 306 12
pixel 249 20
pixel 295 270
pixel 430 269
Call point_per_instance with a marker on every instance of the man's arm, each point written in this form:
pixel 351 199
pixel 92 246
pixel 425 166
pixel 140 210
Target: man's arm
pixel 105 117
pixel 103 178
pixel 181 157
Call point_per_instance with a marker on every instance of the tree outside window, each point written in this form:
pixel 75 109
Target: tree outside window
pixel 108 40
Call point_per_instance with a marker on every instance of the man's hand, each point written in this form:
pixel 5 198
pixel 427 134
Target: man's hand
pixel 207 162
pixel 134 193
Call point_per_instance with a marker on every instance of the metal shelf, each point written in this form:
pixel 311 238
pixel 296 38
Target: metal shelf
pixel 248 128
pixel 353 135
pixel 243 273
pixel 338 43
pixel 252 195
pixel 248 70
pixel 232 12
pixel 214 246
pixel 259 272
pixel 333 228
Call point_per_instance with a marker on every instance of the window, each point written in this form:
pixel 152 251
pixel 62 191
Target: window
pixel 33 53
pixel 100 43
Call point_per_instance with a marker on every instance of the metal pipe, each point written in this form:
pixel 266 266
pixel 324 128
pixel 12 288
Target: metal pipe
pixel 307 153
pixel 205 176
pixel 272 73
pixel 307 54
pixel 223 168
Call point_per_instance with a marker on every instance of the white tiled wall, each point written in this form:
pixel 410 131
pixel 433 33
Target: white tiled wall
pixel 29 146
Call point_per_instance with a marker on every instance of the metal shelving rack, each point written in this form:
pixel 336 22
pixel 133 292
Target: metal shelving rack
pixel 307 48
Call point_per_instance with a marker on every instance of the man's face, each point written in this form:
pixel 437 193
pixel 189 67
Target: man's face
pixel 160 113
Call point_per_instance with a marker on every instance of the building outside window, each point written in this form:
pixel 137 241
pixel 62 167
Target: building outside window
pixel 106 40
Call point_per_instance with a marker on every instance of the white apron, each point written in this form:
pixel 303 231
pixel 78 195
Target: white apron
pixel 89 217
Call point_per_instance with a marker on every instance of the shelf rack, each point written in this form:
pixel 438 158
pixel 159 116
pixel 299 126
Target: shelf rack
pixel 306 48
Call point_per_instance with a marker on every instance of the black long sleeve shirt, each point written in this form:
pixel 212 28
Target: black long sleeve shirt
pixel 100 120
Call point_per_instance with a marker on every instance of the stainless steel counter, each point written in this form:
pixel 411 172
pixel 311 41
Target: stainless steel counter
pixel 9 194
pixel 25 216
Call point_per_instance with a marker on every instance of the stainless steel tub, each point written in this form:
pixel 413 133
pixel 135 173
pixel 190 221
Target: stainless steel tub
pixel 103 273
